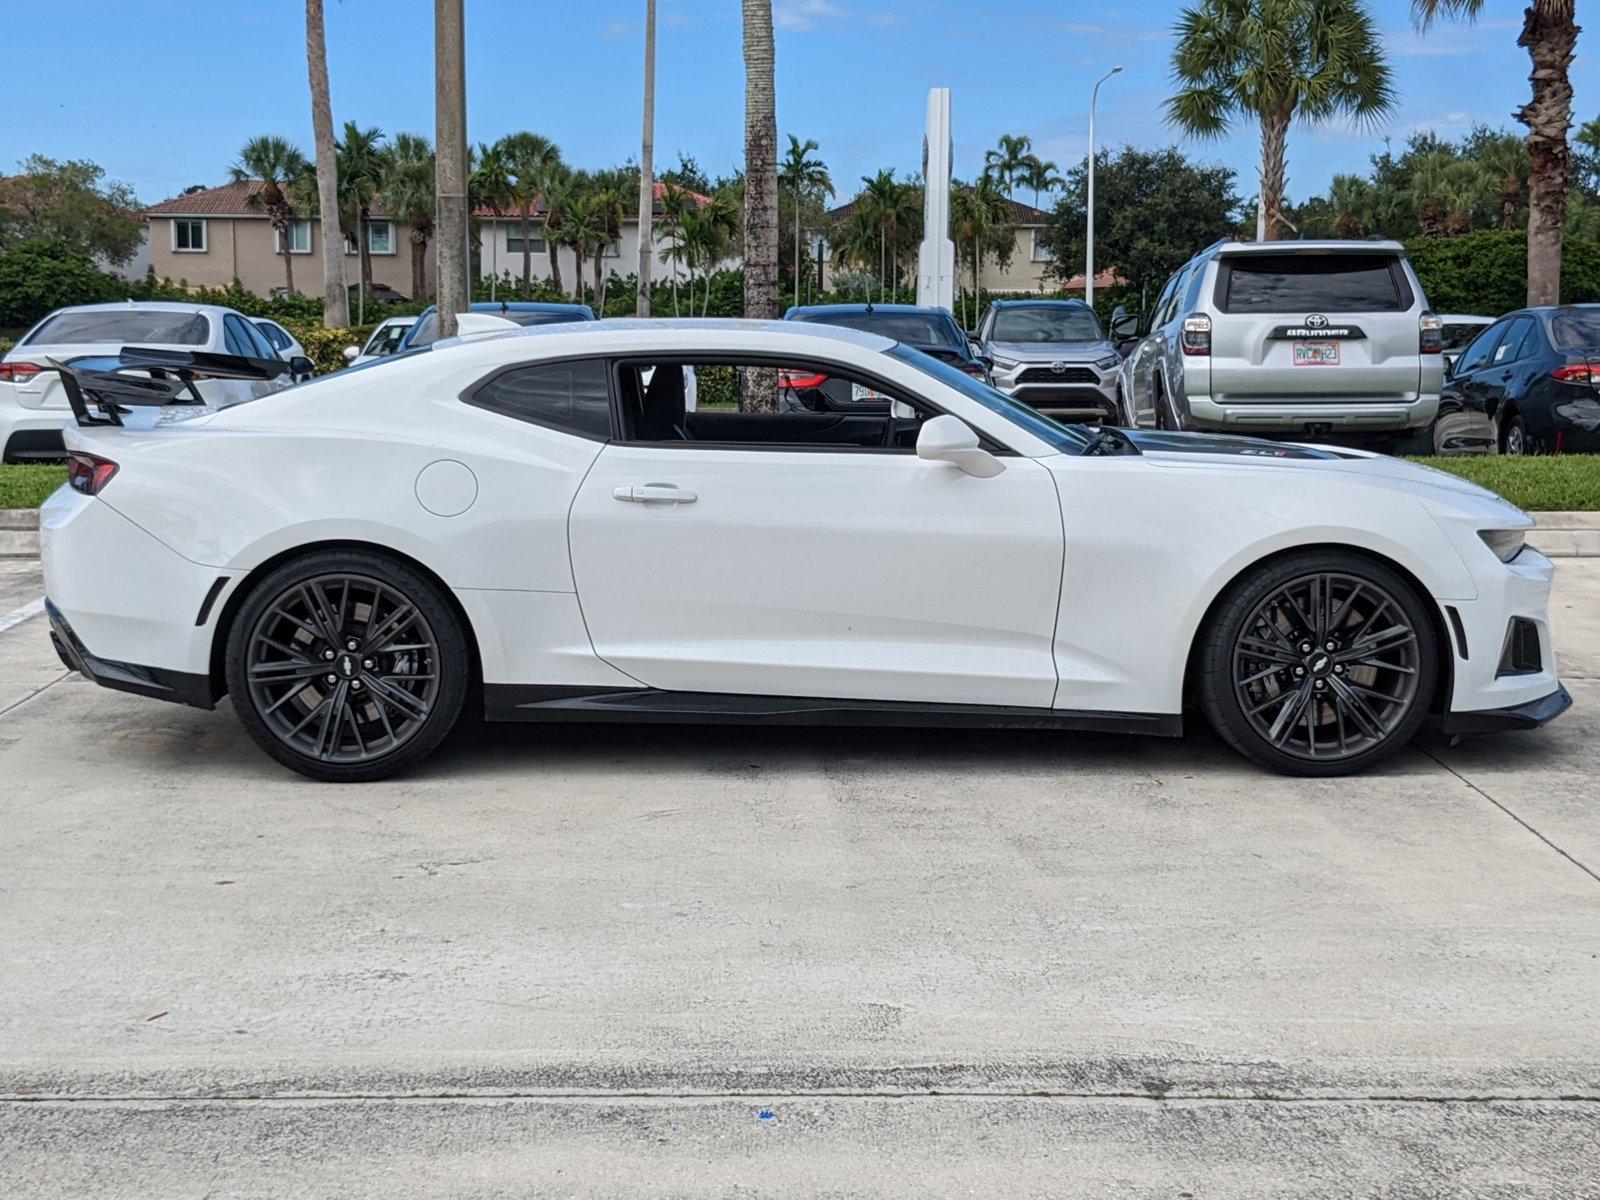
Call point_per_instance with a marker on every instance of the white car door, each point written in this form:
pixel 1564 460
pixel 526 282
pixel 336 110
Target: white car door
pixel 819 571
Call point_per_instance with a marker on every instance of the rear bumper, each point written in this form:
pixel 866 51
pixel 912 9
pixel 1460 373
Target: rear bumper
pixel 177 686
pixel 1207 413
pixel 1529 715
pixel 28 435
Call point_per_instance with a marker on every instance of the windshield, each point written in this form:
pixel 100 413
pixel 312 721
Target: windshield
pixel 386 340
pixel 1065 438
pixel 920 329
pixel 134 325
pixel 1576 329
pixel 1046 323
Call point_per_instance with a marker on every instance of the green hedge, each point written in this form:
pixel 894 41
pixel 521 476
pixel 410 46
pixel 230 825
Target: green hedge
pixel 1487 272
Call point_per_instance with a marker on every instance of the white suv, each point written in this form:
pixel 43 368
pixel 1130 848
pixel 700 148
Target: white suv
pixel 1303 338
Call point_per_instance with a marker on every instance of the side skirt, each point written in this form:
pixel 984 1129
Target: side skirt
pixel 514 702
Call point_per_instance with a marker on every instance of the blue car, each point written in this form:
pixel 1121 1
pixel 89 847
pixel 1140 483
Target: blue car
pixel 524 312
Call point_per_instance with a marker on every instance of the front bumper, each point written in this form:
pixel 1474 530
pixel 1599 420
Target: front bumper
pixel 1528 715
pixel 177 686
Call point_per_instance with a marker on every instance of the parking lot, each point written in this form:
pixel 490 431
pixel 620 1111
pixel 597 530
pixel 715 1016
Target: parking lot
pixel 710 961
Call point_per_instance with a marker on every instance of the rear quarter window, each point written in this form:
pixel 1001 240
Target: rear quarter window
pixel 1308 283
pixel 573 396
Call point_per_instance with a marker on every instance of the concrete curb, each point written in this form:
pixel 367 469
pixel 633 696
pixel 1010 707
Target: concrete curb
pixel 1558 534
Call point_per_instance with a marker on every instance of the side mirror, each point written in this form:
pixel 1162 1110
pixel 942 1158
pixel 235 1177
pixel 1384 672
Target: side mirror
pixel 302 367
pixel 1125 326
pixel 985 361
pixel 950 439
pixel 351 353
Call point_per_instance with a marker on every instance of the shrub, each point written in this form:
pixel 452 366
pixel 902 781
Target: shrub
pixel 1487 272
pixel 41 275
pixel 323 346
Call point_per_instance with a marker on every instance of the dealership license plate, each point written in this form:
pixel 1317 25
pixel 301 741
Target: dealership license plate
pixel 1316 354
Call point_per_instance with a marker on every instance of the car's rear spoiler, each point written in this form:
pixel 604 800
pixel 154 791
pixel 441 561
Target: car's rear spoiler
pixel 168 377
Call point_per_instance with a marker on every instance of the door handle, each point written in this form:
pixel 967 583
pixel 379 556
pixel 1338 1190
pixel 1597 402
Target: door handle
pixel 655 493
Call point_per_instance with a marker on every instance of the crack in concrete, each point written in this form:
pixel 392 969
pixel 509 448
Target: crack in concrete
pixel 1587 870
pixel 16 704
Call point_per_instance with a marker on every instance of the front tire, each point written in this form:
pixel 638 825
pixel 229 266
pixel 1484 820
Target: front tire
pixel 347 666
pixel 1318 663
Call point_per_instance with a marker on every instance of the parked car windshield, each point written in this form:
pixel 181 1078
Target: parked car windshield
pixel 1576 329
pixel 1046 323
pixel 1065 438
pixel 386 340
pixel 920 329
pixel 427 329
pixel 124 325
pixel 1310 283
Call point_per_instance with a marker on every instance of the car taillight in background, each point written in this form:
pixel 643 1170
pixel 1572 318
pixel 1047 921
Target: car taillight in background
pixel 18 372
pixel 88 473
pixel 1577 373
pixel 1430 334
pixel 801 381
pixel 1197 335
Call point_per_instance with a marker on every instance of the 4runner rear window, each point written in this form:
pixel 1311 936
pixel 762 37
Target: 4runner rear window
pixel 1302 283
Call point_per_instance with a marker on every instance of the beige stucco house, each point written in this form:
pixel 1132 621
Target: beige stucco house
pixel 1027 272
pixel 212 237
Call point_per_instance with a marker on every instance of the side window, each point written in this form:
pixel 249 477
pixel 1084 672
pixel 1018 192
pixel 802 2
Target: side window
pixel 1512 346
pixel 1170 309
pixel 276 336
pixel 262 347
pixel 570 396
pixel 1477 354
pixel 236 339
pixel 820 406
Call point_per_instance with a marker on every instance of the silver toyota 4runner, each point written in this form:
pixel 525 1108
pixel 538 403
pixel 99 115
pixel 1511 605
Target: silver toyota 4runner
pixel 1302 338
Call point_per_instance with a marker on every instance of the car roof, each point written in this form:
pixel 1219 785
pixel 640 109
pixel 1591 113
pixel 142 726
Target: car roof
pixel 1041 302
pixel 146 306
pixel 1467 318
pixel 1313 245
pixel 844 309
pixel 612 326
pixel 494 306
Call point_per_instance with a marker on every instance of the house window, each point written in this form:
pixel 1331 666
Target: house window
pixel 1041 252
pixel 613 249
pixel 189 237
pixel 380 237
pixel 514 242
pixel 299 238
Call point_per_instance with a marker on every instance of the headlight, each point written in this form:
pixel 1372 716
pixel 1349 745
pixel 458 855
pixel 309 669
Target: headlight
pixel 1506 543
pixel 1003 364
pixel 1109 362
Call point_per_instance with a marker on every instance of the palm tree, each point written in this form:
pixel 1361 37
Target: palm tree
pixel 1550 35
pixel 558 183
pixel 676 204
pixel 1275 60
pixel 335 294
pixel 807 179
pixel 1039 175
pixel 1507 158
pixel 760 190
pixel 534 161
pixel 1008 161
pixel 492 185
pixel 360 176
pixel 281 168
pixel 1350 198
pixel 609 193
pixel 980 218
pixel 407 190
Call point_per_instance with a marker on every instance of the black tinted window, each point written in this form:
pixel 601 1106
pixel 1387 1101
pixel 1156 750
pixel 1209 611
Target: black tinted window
pixel 918 329
pixel 1477 354
pixel 136 325
pixel 573 396
pixel 1576 329
pixel 1308 283
pixel 1046 323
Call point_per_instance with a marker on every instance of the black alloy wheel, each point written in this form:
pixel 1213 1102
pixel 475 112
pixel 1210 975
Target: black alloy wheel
pixel 347 666
pixel 1321 668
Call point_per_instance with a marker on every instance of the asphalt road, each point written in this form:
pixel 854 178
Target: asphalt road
pixel 697 962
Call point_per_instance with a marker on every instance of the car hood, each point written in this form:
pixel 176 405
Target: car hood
pixel 1051 351
pixel 1261 453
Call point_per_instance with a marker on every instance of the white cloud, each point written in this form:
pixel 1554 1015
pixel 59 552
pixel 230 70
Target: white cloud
pixel 801 15
pixel 616 29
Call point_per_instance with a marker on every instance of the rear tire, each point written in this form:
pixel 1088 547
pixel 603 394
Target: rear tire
pixel 1272 688
pixel 347 666
pixel 1514 436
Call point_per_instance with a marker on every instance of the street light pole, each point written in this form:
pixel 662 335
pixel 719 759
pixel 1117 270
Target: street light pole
pixel 1088 254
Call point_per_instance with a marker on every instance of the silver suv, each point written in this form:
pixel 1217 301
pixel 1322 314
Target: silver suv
pixel 1303 338
pixel 1052 355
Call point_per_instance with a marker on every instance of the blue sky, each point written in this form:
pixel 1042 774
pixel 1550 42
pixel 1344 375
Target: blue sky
pixel 163 92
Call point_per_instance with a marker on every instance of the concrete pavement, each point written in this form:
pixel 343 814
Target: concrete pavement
pixel 682 961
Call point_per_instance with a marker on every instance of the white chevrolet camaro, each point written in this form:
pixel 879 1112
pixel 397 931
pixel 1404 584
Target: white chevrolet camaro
pixel 534 521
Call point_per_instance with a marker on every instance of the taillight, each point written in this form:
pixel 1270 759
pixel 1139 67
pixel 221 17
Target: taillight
pixel 801 381
pixel 1197 334
pixel 1430 334
pixel 88 473
pixel 18 372
pixel 1576 373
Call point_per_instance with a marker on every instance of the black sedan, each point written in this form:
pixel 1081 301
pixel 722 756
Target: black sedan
pixel 931 330
pixel 1528 384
